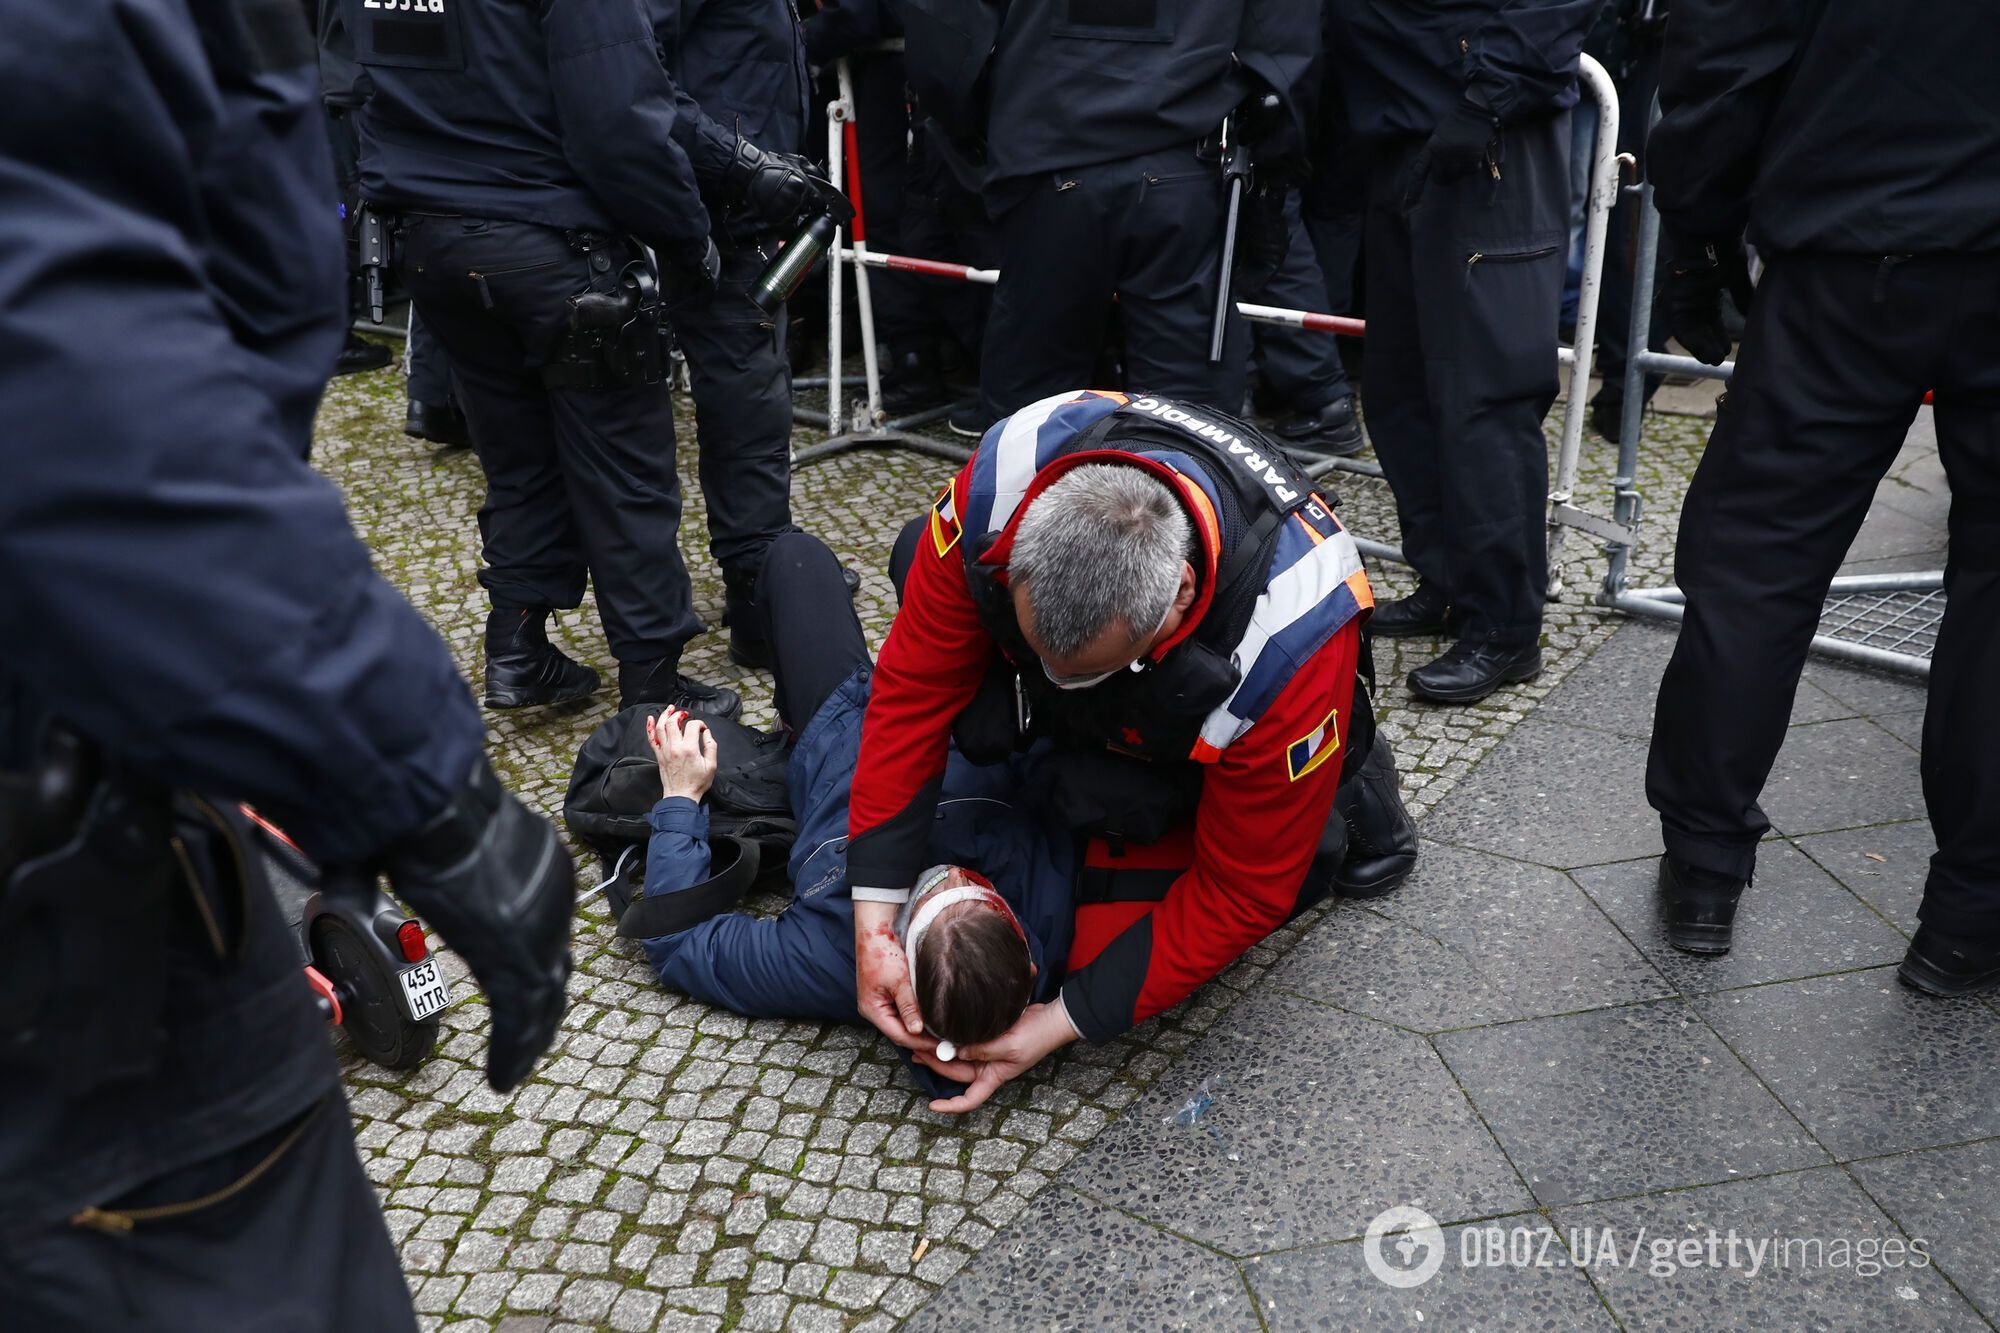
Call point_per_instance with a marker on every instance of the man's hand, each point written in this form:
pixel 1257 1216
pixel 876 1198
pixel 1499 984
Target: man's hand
pixel 882 978
pixel 494 880
pixel 777 187
pixel 1041 1030
pixel 686 753
pixel 1702 271
pixel 1457 148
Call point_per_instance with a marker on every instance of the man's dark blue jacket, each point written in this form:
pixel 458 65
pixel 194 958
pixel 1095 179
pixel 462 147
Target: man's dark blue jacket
pixel 801 963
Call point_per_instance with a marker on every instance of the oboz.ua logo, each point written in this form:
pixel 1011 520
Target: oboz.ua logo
pixel 1404 1247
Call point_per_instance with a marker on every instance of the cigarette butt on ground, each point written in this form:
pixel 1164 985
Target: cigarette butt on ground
pixel 923 1248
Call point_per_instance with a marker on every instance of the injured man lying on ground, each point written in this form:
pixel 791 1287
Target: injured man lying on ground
pixel 991 930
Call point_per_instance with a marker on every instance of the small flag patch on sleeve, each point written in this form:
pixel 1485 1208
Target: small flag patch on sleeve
pixel 945 528
pixel 1314 748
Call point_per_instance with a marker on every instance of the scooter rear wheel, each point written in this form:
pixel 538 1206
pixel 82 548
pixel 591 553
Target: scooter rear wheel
pixel 372 1011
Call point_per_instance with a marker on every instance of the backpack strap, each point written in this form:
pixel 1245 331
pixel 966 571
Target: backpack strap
pixel 733 862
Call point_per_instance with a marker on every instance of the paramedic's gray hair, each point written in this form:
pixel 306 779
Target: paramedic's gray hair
pixel 1102 546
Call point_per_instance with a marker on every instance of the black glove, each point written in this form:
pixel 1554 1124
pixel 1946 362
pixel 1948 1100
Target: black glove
pixel 498 885
pixel 1702 271
pixel 778 187
pixel 1457 148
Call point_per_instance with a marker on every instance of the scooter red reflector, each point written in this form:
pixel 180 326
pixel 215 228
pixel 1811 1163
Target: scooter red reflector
pixel 411 936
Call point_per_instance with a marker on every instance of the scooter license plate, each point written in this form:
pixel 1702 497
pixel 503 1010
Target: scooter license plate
pixel 425 991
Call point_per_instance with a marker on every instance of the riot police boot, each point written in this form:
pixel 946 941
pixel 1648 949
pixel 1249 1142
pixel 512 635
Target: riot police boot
pixel 912 383
pixel 1475 666
pixel 440 423
pixel 1316 439
pixel 660 681
pixel 358 354
pixel 1423 612
pixel 1698 906
pixel 1381 836
pixel 747 644
pixel 1941 964
pixel 525 670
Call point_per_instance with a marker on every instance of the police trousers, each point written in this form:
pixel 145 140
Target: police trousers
pixel 1463 294
pixel 1147 230
pixel 1835 362
pixel 580 483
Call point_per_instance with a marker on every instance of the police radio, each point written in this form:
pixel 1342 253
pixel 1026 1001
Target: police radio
pixel 829 212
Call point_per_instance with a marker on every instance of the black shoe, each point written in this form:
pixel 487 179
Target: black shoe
pixel 439 423
pixel 911 383
pixel 1698 906
pixel 660 682
pixel 1316 439
pixel 525 670
pixel 1938 964
pixel 1473 668
pixel 1422 612
pixel 1381 837
pixel 358 354
pixel 968 419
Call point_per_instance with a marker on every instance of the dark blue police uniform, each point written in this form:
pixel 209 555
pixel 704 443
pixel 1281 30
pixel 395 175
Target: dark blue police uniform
pixel 522 145
pixel 741 72
pixel 1094 178
pixel 180 589
pixel 1464 280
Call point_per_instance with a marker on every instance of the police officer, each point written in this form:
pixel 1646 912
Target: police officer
pixel 1881 281
pixel 1100 185
pixel 530 153
pixel 1157 591
pixel 1463 110
pixel 742 123
pixel 191 623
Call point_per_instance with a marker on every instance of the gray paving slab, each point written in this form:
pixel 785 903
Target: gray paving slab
pixel 1790 1269
pixel 1794 921
pixel 1950 1198
pixel 1623 1101
pixel 1869 1065
pixel 1892 528
pixel 1884 865
pixel 1556 795
pixel 1870 693
pixel 1471 938
pixel 1841 775
pixel 1076 1264
pixel 1332 1287
pixel 1330 1118
pixel 1905 727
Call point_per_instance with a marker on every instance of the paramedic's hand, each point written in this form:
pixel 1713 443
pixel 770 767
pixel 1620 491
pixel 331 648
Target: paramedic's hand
pixel 882 978
pixel 1040 1031
pixel 494 880
pixel 686 753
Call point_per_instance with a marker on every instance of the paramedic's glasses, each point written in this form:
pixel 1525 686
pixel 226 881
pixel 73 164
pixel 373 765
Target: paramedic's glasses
pixel 1136 665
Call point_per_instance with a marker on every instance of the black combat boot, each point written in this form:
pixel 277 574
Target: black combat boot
pixel 1698 906
pixel 912 383
pixel 1381 836
pixel 1941 964
pixel 660 682
pixel 1423 612
pixel 1315 439
pixel 523 669
pixel 747 644
pixel 1475 666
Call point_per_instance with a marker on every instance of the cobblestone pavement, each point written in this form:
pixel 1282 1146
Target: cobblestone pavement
pixel 673 1166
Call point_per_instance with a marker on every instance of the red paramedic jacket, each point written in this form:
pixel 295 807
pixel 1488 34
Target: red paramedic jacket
pixel 1271 754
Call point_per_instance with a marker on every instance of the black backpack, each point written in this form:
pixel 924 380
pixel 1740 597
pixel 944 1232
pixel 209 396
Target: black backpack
pixel 616 783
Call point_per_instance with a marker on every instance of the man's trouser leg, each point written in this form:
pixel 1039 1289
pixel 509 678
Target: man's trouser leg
pixel 1168 239
pixel 1961 764
pixel 1302 367
pixel 430 371
pixel 1831 374
pixel 809 621
pixel 532 555
pixel 1049 308
pixel 1395 392
pixel 299 1245
pixel 743 413
pixel 1487 259
pixel 577 479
